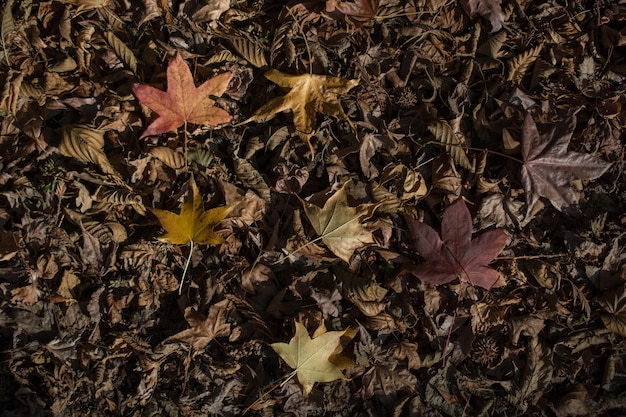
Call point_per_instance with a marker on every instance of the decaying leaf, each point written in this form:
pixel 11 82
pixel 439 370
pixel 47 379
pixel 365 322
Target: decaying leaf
pixel 614 303
pixel 455 254
pixel 193 224
pixel 309 358
pixel 86 145
pixel 339 225
pixel 183 101
pixel 308 94
pixel 549 168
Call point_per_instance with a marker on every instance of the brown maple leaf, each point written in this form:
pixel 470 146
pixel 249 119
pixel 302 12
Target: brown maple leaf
pixel 183 101
pixel 457 255
pixel 205 328
pixel 549 168
pixel 308 94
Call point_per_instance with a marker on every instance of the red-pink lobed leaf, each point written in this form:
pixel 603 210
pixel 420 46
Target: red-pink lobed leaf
pixel 183 102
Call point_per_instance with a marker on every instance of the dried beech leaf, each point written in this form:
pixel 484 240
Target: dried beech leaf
pixel 251 51
pixel 224 55
pixel 444 133
pixel 309 358
pixel 122 51
pixel 86 145
pixel 106 232
pixel 193 224
pixel 121 197
pixel 183 101
pixel 168 156
pixel 519 65
pixel 455 254
pixel 339 225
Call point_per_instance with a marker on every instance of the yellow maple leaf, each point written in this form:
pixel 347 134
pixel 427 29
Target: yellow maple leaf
pixel 307 95
pixel 193 224
pixel 309 358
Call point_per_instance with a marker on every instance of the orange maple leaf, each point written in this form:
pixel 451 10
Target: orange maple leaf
pixel 183 101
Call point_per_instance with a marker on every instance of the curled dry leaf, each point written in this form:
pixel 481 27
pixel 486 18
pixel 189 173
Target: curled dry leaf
pixel 193 224
pixel 183 101
pixel 310 358
pixel 457 255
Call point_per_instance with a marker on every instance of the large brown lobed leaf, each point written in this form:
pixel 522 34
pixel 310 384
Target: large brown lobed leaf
pixel 549 168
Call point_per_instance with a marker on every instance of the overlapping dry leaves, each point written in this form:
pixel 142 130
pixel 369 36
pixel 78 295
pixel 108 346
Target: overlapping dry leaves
pixel 373 158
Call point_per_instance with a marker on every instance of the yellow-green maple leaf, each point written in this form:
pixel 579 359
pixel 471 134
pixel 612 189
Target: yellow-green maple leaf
pixel 339 225
pixel 193 224
pixel 309 358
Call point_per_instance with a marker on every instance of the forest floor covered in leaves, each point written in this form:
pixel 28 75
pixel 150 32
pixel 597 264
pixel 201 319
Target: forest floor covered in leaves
pixel 321 208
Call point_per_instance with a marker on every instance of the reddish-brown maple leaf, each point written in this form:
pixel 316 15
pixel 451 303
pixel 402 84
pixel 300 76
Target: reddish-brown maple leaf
pixel 549 168
pixel 183 101
pixel 457 255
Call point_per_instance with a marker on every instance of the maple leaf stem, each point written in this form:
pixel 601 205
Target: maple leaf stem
pixel 469 148
pixel 182 279
pixel 445 348
pixel 282 258
pixel 185 147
